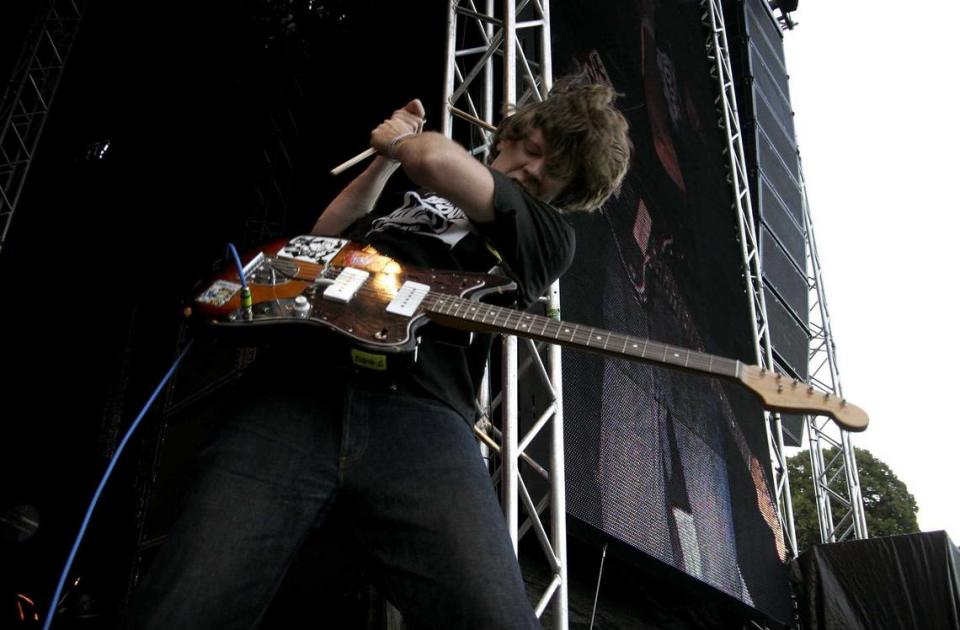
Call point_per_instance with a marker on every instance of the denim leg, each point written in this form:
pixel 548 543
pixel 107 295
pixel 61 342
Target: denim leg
pixel 269 477
pixel 424 507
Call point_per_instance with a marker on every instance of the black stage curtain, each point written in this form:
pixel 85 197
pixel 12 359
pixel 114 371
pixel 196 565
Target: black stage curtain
pixel 908 581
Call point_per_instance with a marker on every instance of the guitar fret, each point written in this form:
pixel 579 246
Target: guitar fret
pixel 506 320
pixel 674 355
pixel 558 327
pixel 514 325
pixel 524 324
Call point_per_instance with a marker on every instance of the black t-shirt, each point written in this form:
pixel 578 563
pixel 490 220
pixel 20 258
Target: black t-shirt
pixel 535 245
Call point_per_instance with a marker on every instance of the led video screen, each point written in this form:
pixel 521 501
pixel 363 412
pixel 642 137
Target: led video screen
pixel 672 464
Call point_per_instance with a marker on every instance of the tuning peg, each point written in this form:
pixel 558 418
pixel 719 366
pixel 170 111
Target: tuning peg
pixel 826 396
pixel 810 389
pixel 843 402
pixel 795 383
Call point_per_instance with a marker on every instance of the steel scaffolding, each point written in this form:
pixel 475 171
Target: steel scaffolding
pixel 836 483
pixel 718 52
pixel 29 95
pixel 519 32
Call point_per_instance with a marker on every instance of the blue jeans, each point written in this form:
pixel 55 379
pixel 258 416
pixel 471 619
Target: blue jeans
pixel 408 471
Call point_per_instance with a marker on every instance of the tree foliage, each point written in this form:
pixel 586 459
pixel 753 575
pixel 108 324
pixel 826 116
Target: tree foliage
pixel 888 505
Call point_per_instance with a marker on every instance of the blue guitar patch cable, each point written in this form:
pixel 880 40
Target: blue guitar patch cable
pixel 103 482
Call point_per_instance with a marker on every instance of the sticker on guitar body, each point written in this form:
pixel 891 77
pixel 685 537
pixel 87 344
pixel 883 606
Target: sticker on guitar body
pixel 219 293
pixel 310 248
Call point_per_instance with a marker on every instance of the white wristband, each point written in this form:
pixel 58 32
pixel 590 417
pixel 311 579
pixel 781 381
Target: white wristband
pixel 392 147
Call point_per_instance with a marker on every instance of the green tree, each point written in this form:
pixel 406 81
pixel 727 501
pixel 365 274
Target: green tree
pixel 888 505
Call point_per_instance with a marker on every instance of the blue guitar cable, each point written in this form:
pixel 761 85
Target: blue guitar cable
pixel 103 482
pixel 232 251
pixel 246 298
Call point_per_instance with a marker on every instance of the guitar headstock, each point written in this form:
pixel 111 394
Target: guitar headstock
pixel 779 393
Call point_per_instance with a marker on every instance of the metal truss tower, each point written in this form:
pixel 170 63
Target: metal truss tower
pixel 718 52
pixel 29 95
pixel 836 483
pixel 519 34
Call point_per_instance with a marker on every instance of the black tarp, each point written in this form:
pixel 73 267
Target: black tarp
pixel 908 581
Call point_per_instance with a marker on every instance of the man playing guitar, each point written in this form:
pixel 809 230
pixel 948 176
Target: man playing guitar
pixel 395 453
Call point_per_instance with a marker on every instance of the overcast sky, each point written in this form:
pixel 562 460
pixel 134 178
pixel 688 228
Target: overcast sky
pixel 875 94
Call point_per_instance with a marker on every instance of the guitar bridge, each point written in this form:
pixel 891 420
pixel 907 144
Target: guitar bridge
pixel 272 271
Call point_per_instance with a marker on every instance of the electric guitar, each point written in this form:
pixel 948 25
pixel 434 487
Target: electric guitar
pixel 378 306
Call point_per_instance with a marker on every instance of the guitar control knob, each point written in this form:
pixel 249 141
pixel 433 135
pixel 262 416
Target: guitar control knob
pixel 302 306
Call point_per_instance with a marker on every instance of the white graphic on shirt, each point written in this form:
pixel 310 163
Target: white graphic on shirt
pixel 430 216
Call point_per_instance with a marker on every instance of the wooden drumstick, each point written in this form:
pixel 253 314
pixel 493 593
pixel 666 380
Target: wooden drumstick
pixel 359 157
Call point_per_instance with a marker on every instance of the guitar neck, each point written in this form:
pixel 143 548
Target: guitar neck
pixel 466 314
pixel 775 392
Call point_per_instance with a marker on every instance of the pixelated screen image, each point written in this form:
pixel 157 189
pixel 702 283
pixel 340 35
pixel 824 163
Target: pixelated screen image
pixel 672 464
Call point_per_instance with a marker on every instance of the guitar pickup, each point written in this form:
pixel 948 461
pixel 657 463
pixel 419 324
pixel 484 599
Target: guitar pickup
pixel 346 285
pixel 408 298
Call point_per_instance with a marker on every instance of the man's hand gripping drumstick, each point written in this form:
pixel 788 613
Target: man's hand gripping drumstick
pixel 360 195
pixel 390 133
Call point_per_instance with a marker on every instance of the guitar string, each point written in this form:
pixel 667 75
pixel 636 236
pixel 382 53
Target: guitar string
pixel 693 359
pixel 583 335
pixel 705 362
